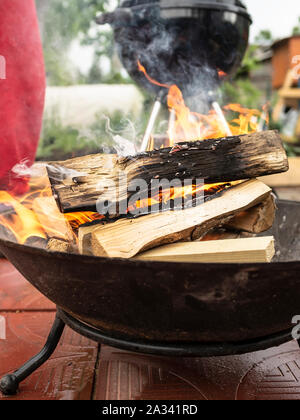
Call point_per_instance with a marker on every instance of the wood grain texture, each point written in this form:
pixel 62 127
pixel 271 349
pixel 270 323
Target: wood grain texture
pixel 257 219
pixel 49 216
pixel 217 160
pixel 125 238
pixel 288 179
pixel 247 250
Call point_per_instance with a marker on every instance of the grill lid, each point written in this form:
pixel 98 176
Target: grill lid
pixel 188 8
pixel 184 42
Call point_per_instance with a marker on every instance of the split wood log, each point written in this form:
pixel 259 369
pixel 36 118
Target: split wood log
pixel 257 219
pixel 125 238
pixel 85 239
pixel 249 250
pixel 51 219
pixel 46 210
pixel 217 160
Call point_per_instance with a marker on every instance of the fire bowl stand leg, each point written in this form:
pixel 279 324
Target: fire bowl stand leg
pixel 9 384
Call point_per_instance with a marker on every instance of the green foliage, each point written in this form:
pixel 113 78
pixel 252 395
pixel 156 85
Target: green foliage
pixel 59 142
pixel 296 29
pixel 249 63
pixel 63 21
pixel 291 150
pixel 242 91
pixel 264 37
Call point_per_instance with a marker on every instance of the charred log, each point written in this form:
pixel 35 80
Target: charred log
pixel 218 160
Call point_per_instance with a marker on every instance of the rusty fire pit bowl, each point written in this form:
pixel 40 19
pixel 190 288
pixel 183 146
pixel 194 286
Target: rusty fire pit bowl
pixel 174 302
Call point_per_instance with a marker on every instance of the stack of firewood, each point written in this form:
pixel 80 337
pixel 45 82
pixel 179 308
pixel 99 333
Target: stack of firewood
pixel 222 228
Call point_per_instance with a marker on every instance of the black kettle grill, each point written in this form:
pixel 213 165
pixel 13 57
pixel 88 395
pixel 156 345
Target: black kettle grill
pixel 186 42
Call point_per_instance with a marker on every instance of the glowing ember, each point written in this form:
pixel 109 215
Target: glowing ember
pixel 80 218
pixel 184 192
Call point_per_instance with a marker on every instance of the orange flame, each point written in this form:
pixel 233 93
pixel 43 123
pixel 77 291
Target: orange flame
pixel 23 223
pixel 154 82
pixel 222 74
pixel 186 125
pixel 80 218
pixel 21 220
pixel 187 191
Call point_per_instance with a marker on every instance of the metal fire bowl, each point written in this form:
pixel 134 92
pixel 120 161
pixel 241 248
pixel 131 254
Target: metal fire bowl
pixel 174 302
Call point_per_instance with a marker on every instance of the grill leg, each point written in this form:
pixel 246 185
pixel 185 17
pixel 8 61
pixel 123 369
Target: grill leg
pixel 9 384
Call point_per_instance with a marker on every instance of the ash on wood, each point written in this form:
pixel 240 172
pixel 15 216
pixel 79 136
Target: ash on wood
pixel 125 238
pixel 247 250
pixel 218 160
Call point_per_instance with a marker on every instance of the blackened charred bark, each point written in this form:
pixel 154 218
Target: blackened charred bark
pixel 218 160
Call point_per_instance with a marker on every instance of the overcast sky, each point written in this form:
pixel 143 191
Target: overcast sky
pixel 279 16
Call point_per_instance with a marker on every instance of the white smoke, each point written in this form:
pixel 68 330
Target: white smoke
pixel 58 173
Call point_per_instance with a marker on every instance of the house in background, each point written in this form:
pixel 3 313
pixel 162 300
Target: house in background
pixel 278 65
pixel 285 80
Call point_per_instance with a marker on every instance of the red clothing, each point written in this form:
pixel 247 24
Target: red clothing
pixel 22 92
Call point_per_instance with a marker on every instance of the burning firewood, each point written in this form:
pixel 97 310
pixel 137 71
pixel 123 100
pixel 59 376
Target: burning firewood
pixel 52 220
pixel 125 238
pixel 218 160
pixel 248 250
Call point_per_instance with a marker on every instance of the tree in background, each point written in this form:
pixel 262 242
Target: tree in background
pixel 264 38
pixel 296 29
pixel 62 22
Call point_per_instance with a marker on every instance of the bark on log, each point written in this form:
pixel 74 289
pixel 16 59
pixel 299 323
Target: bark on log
pixel 218 160
pixel 125 238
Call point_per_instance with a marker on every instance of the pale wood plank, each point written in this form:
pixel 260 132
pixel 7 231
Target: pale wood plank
pixel 248 250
